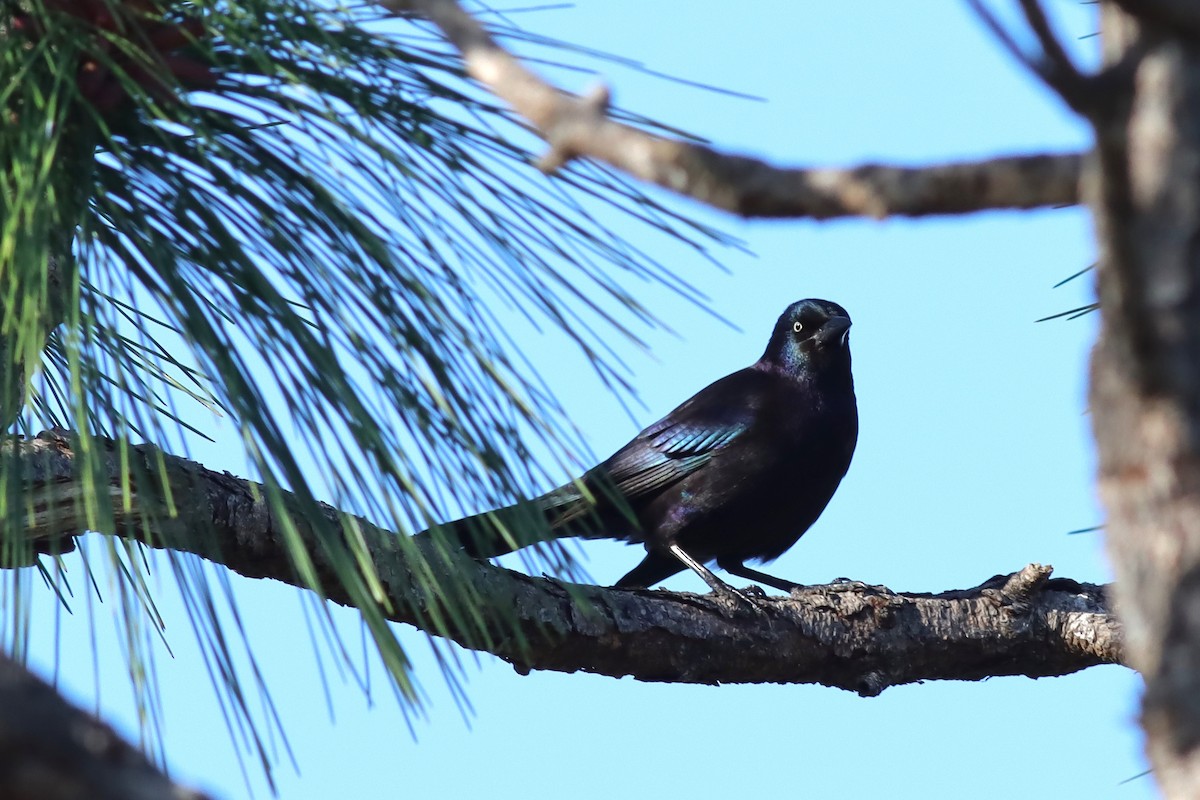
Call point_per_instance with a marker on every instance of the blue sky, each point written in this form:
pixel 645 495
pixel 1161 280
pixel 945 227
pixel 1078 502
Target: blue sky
pixel 974 455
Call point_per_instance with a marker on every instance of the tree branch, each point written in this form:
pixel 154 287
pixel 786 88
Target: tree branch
pixel 580 127
pixel 854 637
pixel 1052 65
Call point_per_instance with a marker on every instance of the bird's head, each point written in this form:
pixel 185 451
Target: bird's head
pixel 810 334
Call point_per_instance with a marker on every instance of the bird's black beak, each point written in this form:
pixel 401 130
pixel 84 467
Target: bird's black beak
pixel 834 331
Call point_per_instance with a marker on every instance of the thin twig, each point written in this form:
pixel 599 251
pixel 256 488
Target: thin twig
pixel 1051 65
pixel 1056 67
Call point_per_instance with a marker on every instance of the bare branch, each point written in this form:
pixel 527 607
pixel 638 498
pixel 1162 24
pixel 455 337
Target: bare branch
pixel 1001 34
pixel 1056 65
pixel 1052 65
pixel 580 127
pixel 854 637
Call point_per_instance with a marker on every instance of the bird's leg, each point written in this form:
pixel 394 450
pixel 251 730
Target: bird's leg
pixel 716 584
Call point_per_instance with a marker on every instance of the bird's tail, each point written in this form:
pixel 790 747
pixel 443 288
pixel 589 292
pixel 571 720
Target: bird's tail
pixel 494 533
pixel 570 511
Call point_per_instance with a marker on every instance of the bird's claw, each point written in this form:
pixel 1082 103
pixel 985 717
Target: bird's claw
pixel 750 597
pixel 848 582
pixel 842 585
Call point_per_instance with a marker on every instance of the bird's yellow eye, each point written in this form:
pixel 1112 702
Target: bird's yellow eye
pixel 797 326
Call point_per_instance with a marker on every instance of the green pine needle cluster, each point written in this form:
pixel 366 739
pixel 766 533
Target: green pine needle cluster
pixel 306 246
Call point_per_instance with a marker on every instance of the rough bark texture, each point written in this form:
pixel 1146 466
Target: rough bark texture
pixel 1145 393
pixel 859 638
pixel 50 750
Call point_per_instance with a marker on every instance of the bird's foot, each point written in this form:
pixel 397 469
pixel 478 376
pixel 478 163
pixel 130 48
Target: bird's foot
pixel 847 585
pixel 718 586
pixel 837 585
pixel 750 597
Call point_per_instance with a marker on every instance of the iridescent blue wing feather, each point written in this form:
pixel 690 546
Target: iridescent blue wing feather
pixel 664 453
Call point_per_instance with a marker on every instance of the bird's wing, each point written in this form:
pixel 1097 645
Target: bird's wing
pixel 667 451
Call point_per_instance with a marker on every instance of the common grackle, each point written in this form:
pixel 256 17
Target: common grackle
pixel 738 472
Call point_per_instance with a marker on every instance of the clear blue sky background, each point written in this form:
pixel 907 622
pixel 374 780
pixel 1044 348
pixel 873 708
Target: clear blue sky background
pixel 974 457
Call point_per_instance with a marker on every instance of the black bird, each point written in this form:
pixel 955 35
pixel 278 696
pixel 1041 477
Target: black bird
pixel 738 472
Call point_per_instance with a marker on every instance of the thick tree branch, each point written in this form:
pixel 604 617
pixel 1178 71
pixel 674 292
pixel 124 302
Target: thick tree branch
pixel 859 638
pixel 580 127
pixel 53 751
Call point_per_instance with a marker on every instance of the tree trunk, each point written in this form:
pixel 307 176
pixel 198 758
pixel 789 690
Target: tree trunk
pixel 1144 187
